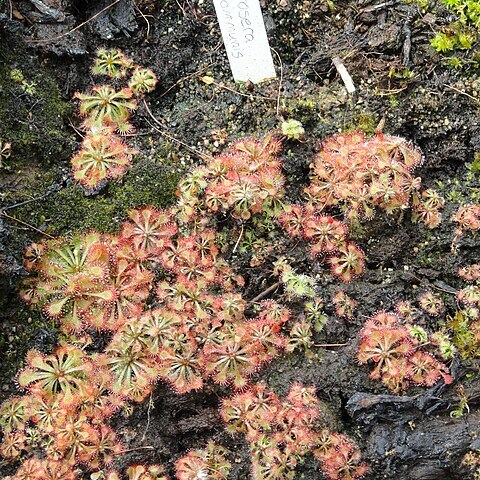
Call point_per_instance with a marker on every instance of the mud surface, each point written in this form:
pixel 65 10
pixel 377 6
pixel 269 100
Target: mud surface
pixel 399 77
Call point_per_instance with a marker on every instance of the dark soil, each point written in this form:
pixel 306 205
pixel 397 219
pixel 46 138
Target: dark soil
pixel 408 437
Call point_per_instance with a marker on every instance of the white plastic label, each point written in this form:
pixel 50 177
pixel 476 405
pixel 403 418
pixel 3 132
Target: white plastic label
pixel 245 39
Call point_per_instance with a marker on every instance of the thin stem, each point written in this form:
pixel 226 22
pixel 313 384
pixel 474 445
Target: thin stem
pixel 192 75
pixel 25 202
pixel 462 93
pixel 150 406
pixel 280 81
pixel 147 36
pixel 249 95
pixel 6 215
pixel 238 240
pixel 170 137
pixel 147 447
pixel 264 293
pixel 433 286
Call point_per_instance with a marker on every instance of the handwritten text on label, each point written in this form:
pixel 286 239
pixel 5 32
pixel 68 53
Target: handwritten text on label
pixel 245 39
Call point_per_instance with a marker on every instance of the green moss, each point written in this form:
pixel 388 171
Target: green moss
pixel 365 121
pixel 464 336
pixel 32 111
pixel 16 340
pixel 304 109
pixel 69 210
pixel 428 258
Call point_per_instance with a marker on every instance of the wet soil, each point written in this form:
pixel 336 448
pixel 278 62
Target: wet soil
pixel 399 77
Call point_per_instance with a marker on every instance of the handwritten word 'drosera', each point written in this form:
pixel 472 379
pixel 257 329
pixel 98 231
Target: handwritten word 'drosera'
pixel 245 39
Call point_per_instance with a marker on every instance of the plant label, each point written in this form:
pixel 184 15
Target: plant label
pixel 245 39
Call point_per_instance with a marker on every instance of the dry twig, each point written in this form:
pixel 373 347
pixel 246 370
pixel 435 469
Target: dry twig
pixel 6 215
pixel 170 137
pixel 264 293
pixel 144 17
pixel 280 82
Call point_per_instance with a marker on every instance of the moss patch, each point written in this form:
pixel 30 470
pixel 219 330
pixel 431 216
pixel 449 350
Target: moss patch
pixel 32 110
pixel 69 210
